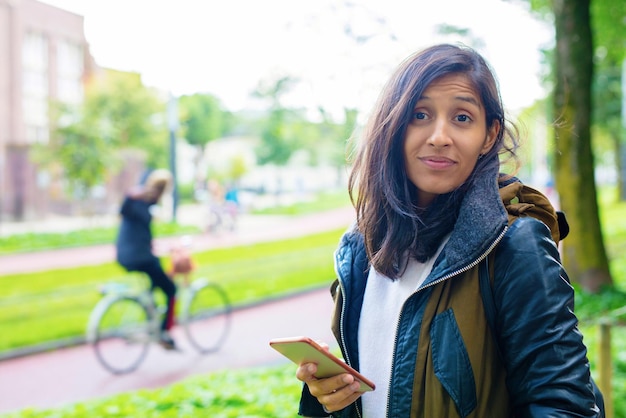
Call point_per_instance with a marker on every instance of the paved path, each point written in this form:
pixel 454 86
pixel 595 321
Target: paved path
pixel 250 229
pixel 73 374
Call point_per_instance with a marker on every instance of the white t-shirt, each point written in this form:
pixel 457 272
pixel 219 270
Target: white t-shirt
pixel 380 313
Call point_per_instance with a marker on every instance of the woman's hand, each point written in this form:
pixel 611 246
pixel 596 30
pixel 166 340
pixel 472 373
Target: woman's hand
pixel 334 393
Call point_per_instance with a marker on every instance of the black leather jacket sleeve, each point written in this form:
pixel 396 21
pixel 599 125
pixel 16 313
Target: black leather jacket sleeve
pixel 309 406
pixel 546 360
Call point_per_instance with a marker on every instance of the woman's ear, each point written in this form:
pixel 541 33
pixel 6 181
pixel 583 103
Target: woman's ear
pixel 492 134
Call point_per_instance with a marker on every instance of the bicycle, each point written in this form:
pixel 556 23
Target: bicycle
pixel 125 322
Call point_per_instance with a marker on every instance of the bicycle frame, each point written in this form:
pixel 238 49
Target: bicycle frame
pixel 111 293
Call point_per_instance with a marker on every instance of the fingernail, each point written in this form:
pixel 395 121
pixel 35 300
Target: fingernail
pixel 347 379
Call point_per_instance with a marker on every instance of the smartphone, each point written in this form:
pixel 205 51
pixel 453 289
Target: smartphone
pixel 305 350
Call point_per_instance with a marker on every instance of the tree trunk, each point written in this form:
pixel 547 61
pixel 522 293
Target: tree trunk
pixel 584 255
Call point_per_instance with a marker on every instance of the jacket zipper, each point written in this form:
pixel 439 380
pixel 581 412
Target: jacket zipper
pixel 341 329
pixel 444 278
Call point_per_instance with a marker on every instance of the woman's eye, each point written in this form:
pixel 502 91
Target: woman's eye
pixel 419 115
pixel 463 118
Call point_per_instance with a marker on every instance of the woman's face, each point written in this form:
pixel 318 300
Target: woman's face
pixel 447 133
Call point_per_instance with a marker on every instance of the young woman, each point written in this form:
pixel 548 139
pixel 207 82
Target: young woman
pixel 409 313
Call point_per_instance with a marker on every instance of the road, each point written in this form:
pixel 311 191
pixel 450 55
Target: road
pixel 70 375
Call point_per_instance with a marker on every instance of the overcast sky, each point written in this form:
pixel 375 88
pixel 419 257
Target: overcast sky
pixel 341 51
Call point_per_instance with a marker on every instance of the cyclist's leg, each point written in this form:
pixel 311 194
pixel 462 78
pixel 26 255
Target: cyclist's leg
pixel 161 280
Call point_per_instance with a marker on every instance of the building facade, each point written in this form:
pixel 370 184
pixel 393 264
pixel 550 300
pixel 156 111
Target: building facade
pixel 44 58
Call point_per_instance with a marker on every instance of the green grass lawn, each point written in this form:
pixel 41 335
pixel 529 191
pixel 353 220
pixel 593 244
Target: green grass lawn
pixel 52 305
pixel 29 242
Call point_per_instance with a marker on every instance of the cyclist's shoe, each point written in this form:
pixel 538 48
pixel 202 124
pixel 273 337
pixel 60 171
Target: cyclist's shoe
pixel 166 341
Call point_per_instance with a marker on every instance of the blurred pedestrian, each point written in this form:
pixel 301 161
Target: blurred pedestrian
pixel 231 204
pixel 222 207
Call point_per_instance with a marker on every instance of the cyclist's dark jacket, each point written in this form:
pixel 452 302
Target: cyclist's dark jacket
pixel 446 362
pixel 134 240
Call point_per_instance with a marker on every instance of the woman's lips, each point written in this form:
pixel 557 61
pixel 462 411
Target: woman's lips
pixel 437 163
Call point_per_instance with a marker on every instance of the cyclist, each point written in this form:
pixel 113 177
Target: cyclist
pixel 134 243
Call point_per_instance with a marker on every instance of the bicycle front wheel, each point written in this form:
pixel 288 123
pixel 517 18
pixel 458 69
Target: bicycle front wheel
pixel 207 317
pixel 123 335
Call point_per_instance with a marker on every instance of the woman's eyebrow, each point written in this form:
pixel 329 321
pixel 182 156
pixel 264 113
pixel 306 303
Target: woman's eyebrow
pixel 468 99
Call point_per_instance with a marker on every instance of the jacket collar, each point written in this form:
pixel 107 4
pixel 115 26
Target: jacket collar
pixel 482 218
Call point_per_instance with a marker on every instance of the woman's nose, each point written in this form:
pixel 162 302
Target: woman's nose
pixel 440 136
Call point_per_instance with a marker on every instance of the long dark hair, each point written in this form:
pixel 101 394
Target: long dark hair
pixel 385 200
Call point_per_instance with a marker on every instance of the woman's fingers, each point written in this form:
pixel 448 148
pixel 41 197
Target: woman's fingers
pixel 334 392
pixel 337 401
pixel 339 392
pixel 306 372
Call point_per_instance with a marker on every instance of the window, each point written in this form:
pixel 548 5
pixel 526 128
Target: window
pixel 35 86
pixel 70 72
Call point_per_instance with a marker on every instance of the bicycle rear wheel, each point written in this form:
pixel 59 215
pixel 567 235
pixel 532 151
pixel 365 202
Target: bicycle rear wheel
pixel 207 316
pixel 123 334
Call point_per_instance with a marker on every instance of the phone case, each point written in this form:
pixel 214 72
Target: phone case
pixel 305 350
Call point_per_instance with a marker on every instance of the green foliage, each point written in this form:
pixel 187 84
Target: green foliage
pixel 618 343
pixel 609 30
pixel 127 108
pixel 251 393
pixel 287 131
pixel 542 8
pixel 326 201
pixel 331 139
pixel 278 141
pixel 601 306
pixel 592 308
pixel 201 118
pixel 79 150
pixel 129 115
pixel 118 112
pixel 186 193
pixel 614 232
pixel 609 33
pixel 237 168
